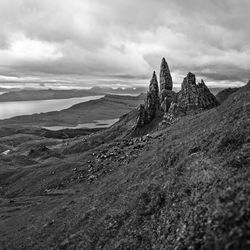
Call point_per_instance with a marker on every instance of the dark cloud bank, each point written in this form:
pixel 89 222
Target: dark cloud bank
pixel 124 40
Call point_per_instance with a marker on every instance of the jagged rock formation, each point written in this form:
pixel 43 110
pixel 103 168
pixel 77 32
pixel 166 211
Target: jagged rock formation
pixel 195 96
pixel 166 82
pixel 152 103
pixel 206 99
pixel 192 97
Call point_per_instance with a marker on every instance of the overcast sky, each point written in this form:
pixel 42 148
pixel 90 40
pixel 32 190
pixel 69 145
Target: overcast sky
pixel 122 41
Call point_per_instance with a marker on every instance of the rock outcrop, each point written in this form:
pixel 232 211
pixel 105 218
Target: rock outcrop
pixel 148 111
pixel 195 96
pixel 191 98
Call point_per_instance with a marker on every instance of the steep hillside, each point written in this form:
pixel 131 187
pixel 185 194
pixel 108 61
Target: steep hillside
pixel 225 93
pixel 185 186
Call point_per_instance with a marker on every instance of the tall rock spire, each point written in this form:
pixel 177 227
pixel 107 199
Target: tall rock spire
pixel 166 82
pixel 149 110
pixel 153 100
pixel 166 85
pixel 153 86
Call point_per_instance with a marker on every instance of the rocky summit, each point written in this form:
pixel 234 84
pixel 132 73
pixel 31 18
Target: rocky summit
pixel 191 98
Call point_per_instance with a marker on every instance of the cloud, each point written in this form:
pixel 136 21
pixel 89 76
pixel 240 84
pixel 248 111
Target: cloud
pixel 125 39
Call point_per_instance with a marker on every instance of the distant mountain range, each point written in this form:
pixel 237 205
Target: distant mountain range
pixel 29 94
pixel 48 94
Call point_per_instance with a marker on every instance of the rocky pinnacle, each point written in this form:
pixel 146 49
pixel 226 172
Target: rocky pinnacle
pixel 148 111
pixel 153 86
pixel 153 101
pixel 166 82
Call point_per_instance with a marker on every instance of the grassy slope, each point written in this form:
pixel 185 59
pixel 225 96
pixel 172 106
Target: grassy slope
pixel 225 93
pixel 185 187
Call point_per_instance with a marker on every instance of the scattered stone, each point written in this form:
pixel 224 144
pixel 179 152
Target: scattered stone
pixel 65 243
pixel 51 223
pixel 6 152
pixel 91 177
pixel 140 145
